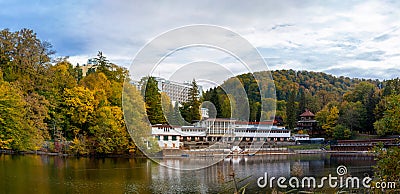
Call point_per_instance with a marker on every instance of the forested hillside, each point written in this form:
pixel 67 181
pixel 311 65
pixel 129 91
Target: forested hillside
pixel 46 103
pixel 349 104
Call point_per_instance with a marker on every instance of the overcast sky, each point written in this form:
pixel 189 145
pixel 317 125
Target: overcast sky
pixel 349 38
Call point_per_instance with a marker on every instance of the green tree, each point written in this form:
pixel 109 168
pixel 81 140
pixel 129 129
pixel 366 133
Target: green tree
pixel 387 168
pixel 168 109
pixel 213 97
pixel 367 94
pixel 152 98
pixel 291 111
pixel 341 132
pixel 177 117
pixel 352 115
pixel 191 109
pixel 392 87
pixel 390 123
pixel 102 63
pixel 281 109
pixel 303 105
pixel 225 106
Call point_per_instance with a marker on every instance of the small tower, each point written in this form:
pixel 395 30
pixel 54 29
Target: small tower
pixel 308 123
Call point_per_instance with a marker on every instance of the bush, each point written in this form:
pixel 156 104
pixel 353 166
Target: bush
pixel 341 132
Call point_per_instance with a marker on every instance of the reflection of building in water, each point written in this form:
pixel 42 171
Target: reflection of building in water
pixel 208 132
pixel 212 178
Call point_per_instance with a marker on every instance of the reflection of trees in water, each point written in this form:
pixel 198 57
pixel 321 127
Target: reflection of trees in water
pixel 354 160
pixel 217 177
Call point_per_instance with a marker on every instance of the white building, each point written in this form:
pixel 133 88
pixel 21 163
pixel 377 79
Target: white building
pixel 177 92
pixel 204 113
pixel 297 137
pixel 90 66
pixel 210 131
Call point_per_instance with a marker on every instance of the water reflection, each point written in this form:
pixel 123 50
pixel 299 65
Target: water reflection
pixel 48 174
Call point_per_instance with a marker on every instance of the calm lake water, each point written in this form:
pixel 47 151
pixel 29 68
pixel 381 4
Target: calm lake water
pixel 53 174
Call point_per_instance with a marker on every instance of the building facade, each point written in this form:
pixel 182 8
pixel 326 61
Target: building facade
pixel 177 92
pixel 210 131
pixel 308 123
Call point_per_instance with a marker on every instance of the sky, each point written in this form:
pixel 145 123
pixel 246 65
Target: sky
pixel 344 38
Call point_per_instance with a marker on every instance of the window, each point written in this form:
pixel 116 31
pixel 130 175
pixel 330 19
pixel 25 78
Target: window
pixel 174 138
pixel 165 138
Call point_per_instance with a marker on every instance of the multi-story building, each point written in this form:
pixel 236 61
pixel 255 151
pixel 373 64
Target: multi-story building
pixel 204 113
pixel 91 66
pixel 177 92
pixel 308 123
pixel 210 131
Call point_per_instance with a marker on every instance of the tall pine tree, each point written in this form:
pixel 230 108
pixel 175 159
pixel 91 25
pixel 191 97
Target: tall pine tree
pixel 291 110
pixel 152 97
pixel 191 109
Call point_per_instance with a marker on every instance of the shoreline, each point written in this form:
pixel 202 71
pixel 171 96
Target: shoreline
pixel 42 153
pixel 294 152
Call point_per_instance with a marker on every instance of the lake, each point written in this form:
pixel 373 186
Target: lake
pixel 54 174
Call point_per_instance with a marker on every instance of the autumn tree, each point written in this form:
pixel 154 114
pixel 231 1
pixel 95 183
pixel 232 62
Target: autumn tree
pixel 387 167
pixel 24 58
pixel 328 117
pixel 108 130
pixel 390 123
pixel 79 105
pixel 367 94
pixel 15 133
pixel 135 119
pixel 36 108
pixel 60 76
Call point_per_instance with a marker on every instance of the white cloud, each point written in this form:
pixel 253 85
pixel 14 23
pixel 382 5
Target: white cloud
pixel 304 35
